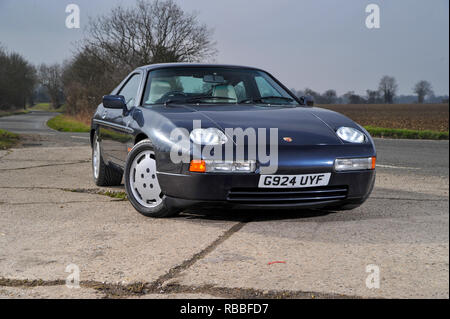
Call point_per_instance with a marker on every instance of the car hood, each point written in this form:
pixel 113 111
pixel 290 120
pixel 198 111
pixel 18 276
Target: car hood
pixel 300 124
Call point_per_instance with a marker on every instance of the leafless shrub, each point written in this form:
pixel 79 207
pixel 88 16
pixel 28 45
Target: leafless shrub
pixel 151 32
pixel 50 77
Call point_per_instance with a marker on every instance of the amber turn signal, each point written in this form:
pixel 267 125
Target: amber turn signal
pixel 197 166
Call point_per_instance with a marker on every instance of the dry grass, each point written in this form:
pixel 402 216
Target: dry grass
pixel 65 123
pixel 416 121
pixel 7 139
pixel 83 117
pixel 399 116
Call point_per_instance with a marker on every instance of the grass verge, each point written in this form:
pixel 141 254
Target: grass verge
pixel 8 139
pixel 47 107
pixel 65 123
pixel 116 195
pixel 407 134
pixel 113 194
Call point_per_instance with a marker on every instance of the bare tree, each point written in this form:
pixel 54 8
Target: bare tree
pixel 388 87
pixel 329 96
pixel 17 80
pixel 422 89
pixel 86 79
pixel 125 38
pixel 310 92
pixel 50 76
pixel 152 32
pixel 315 95
pixel 353 98
pixel 373 96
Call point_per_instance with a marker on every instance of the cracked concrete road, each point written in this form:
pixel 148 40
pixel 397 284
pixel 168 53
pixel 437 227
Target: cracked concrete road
pixel 44 226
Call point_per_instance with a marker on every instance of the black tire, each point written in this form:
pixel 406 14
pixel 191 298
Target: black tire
pixel 107 175
pixel 160 210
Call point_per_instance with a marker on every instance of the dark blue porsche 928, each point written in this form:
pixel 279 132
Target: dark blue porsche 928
pixel 201 135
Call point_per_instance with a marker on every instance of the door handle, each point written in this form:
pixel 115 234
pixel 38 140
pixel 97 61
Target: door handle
pixel 105 113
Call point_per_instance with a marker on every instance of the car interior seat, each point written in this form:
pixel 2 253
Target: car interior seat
pixel 226 90
pixel 157 90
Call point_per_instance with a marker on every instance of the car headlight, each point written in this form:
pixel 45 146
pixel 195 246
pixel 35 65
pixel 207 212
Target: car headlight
pixel 208 136
pixel 354 164
pixel 219 166
pixel 351 135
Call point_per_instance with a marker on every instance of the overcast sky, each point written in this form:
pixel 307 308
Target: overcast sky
pixel 320 44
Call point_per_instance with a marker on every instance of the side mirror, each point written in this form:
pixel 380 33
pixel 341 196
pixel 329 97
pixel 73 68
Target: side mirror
pixel 306 100
pixel 114 102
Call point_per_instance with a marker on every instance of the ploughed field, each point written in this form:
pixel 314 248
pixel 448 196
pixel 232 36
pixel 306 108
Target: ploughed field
pixel 400 116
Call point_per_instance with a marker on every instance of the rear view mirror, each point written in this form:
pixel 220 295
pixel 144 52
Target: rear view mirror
pixel 114 102
pixel 307 100
pixel 216 79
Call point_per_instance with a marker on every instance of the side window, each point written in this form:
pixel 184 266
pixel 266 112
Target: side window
pixel 129 90
pixel 265 89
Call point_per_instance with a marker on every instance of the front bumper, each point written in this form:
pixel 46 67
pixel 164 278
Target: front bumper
pixel 345 190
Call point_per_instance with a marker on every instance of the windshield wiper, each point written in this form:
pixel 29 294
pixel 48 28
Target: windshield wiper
pixel 207 97
pixel 261 99
pixel 172 101
pixel 196 99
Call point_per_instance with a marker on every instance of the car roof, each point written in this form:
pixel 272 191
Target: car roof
pixel 198 65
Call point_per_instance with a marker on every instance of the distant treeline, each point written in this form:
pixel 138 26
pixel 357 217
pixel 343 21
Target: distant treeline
pixel 371 97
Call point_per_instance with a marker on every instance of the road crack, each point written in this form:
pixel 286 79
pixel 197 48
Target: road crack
pixel 54 203
pixel 175 271
pixel 36 187
pixel 44 165
pixel 116 196
pixel 111 290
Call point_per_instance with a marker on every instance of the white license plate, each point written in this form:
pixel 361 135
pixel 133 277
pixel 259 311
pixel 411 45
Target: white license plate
pixel 294 181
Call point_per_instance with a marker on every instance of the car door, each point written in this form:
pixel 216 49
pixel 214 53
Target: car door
pixel 116 133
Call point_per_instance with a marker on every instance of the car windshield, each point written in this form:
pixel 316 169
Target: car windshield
pixel 214 86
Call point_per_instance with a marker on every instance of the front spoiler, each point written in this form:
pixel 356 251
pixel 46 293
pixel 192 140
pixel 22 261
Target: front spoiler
pixel 212 190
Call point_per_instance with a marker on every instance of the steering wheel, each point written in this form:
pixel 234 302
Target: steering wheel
pixel 170 94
